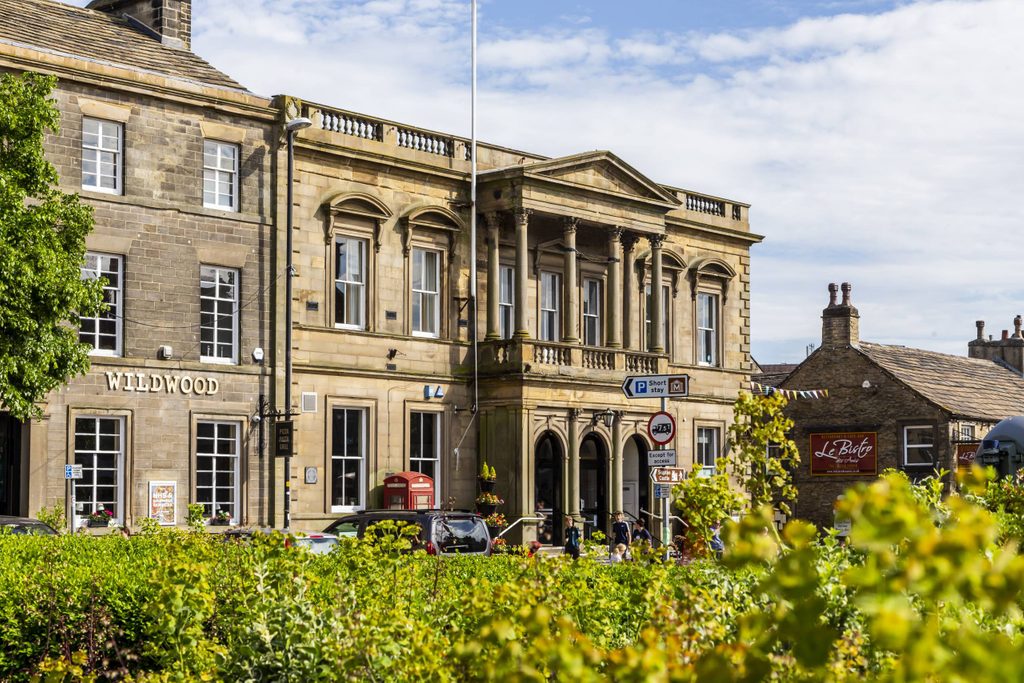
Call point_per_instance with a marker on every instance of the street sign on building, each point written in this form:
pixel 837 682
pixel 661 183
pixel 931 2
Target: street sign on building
pixel 661 428
pixel 668 475
pixel 666 458
pixel 656 386
pixel 72 471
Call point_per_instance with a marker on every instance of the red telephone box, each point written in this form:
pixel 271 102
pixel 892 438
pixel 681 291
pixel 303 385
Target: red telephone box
pixel 408 491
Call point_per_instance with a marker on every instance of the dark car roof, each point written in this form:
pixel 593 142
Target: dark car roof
pixel 414 513
pixel 9 520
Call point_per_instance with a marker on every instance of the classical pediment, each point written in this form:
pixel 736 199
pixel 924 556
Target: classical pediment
pixel 603 171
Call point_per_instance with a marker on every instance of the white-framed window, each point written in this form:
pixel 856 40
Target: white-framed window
pixel 218 468
pixel 99 449
pixel 103 330
pixel 425 448
pixel 918 445
pixel 707 329
pixel 550 305
pixel 592 312
pixel 666 298
pixel 220 175
pixel 507 301
pixel 350 283
pixel 218 308
pixel 348 459
pixel 102 155
pixel 426 293
pixel 706 454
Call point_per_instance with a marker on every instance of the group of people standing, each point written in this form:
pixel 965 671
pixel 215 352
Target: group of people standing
pixel 622 537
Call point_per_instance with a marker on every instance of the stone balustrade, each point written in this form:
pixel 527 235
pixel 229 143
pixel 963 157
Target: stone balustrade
pixel 532 357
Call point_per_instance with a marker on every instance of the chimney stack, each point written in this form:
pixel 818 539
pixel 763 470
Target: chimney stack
pixel 980 324
pixel 840 323
pixel 169 20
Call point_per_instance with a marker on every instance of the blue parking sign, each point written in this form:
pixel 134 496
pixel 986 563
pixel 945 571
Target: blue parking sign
pixel 69 472
pixel 640 387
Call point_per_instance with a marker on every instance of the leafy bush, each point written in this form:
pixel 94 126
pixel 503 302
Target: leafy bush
pixel 923 590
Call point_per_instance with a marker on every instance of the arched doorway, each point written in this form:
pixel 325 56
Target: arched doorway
pixel 635 479
pixel 594 484
pixel 547 477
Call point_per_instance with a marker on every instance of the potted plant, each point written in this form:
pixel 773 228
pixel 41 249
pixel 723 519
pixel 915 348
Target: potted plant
pixel 487 502
pixel 221 518
pixel 99 518
pixel 495 521
pixel 487 478
pixel 499 545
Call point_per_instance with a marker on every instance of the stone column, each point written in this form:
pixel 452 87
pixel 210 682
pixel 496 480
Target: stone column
pixel 629 241
pixel 574 465
pixel 522 217
pixel 617 462
pixel 493 276
pixel 613 295
pixel 656 344
pixel 570 292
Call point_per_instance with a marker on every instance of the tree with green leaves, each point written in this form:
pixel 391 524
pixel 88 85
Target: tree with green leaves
pixel 762 455
pixel 42 248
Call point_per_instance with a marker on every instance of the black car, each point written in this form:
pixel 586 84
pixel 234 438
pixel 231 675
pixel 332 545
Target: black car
pixel 25 526
pixel 442 532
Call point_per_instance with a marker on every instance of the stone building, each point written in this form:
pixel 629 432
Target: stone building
pixel 1008 350
pixel 887 407
pixel 175 158
pixel 569 249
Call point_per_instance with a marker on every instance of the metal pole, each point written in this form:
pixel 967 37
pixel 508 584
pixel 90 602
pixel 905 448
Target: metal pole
pixel 472 225
pixel 665 529
pixel 288 329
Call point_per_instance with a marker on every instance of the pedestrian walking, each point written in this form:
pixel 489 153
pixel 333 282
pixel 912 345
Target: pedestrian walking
pixel 572 538
pixel 640 533
pixel 717 547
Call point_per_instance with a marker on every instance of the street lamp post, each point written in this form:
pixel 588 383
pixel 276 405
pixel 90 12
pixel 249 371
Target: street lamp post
pixel 291 127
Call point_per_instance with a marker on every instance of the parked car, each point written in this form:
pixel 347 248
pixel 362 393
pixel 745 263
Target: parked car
pixel 442 532
pixel 25 526
pixel 316 543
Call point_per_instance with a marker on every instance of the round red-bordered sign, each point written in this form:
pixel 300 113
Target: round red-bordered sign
pixel 661 428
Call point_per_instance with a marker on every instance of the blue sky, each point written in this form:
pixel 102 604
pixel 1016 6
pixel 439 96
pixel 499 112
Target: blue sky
pixel 878 142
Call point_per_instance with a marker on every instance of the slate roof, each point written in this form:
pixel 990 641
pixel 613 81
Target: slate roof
pixel 967 387
pixel 773 374
pixel 50 26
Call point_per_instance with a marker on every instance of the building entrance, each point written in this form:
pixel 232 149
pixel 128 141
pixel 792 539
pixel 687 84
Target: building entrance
pixel 10 465
pixel 635 479
pixel 594 485
pixel 548 488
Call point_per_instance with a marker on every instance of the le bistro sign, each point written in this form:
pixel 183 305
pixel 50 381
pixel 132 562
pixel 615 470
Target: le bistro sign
pixel 844 453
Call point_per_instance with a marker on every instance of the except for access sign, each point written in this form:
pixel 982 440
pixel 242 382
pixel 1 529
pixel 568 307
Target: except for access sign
pixel 656 386
pixel 666 458
pixel 661 428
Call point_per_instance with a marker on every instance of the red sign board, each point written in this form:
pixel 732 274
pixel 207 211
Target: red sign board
pixel 844 453
pixel 965 453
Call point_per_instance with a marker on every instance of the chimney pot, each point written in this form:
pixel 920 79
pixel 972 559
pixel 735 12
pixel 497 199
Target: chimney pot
pixel 980 324
pixel 846 293
pixel 832 291
pixel 1016 327
pixel 1006 335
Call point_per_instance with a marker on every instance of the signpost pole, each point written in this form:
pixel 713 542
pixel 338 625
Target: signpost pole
pixel 665 530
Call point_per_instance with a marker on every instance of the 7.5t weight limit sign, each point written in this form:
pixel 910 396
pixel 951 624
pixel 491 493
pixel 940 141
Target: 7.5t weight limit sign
pixel 661 428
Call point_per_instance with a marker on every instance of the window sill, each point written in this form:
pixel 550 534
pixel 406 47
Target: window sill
pixel 222 209
pixel 426 335
pixel 354 328
pixel 105 354
pixel 103 190
pixel 218 361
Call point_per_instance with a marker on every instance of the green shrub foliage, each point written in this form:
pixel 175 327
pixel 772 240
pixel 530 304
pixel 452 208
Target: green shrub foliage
pixel 925 589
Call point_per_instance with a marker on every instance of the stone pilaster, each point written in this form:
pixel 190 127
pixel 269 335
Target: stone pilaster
pixel 493 276
pixel 613 297
pixel 629 241
pixel 570 291
pixel 656 344
pixel 522 217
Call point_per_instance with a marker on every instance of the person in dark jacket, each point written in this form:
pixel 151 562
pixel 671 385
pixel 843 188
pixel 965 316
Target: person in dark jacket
pixel 620 532
pixel 572 538
pixel 640 533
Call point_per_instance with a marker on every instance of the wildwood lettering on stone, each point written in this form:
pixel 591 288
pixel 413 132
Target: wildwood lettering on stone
pixel 155 384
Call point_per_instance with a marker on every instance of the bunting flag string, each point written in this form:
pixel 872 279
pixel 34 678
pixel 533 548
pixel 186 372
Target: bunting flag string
pixel 766 390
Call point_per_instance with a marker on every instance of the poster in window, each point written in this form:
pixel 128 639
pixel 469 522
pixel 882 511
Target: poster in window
pixel 965 453
pixel 844 453
pixel 162 502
